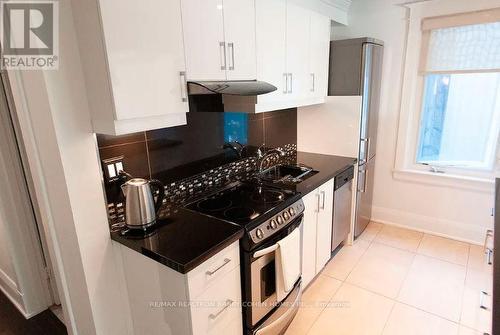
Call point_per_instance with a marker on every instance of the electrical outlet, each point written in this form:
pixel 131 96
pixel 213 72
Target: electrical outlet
pixel 112 167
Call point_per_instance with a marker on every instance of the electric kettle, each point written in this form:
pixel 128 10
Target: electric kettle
pixel 140 206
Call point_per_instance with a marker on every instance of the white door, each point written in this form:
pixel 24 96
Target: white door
pixel 319 55
pixel 203 25
pixel 297 54
pixel 239 30
pixel 271 47
pixel 324 226
pixel 145 52
pixel 311 203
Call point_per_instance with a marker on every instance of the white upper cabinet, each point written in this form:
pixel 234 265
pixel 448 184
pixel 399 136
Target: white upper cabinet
pixel 297 50
pixel 219 38
pixel 134 66
pixel 293 47
pixel 271 48
pixel 239 31
pixel 319 46
pixel 203 25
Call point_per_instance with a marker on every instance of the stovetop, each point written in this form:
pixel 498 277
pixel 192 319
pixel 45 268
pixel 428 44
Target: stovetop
pixel 244 203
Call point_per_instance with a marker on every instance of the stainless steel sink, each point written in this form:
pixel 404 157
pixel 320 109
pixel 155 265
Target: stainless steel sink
pixel 286 174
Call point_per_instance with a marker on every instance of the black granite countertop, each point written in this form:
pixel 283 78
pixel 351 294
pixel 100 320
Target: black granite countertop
pixel 184 239
pixel 327 167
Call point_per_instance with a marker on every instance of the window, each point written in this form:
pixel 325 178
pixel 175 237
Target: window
pixel 460 113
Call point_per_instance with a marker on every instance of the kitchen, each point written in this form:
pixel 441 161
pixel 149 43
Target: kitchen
pixel 263 167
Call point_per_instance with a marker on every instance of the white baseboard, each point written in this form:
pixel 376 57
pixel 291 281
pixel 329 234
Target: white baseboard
pixel 9 288
pixel 441 227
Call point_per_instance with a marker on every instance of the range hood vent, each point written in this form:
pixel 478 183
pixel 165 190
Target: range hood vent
pixel 237 96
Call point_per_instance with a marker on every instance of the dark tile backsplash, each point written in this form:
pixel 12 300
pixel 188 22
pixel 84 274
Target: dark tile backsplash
pixel 176 153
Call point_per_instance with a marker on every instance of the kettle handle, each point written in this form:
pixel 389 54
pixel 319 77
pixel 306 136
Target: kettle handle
pixel 161 193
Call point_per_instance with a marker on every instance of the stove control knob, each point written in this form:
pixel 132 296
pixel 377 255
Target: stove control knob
pixel 291 211
pixel 280 220
pixel 273 224
pixel 259 233
pixel 286 216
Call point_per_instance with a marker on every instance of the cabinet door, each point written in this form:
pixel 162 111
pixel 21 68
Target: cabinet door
pixel 324 226
pixel 145 54
pixel 271 47
pixel 311 203
pixel 319 55
pixel 297 54
pixel 203 25
pixel 239 30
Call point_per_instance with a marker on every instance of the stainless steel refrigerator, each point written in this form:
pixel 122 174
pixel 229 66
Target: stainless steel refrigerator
pixel 356 69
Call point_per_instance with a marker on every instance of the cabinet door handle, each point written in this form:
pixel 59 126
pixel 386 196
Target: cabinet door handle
pixel 226 261
pixel 231 63
pixel 285 89
pixel 318 204
pixel 483 294
pixel 364 173
pixel 291 83
pixel 323 196
pixel 313 78
pixel 222 47
pixel 184 96
pixel 489 254
pixel 229 302
pixel 489 234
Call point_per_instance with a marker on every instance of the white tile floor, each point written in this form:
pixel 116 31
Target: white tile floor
pixel 395 281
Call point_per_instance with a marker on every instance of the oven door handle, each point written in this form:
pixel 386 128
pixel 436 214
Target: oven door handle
pixel 266 251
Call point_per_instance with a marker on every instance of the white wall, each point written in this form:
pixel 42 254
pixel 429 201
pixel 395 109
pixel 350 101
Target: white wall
pixel 459 213
pixel 22 272
pixel 336 123
pixel 57 132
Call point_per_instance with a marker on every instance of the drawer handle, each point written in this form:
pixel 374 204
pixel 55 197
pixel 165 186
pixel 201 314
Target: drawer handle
pixel 229 302
pixel 226 261
pixel 481 300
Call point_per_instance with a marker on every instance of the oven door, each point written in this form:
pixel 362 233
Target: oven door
pixel 263 277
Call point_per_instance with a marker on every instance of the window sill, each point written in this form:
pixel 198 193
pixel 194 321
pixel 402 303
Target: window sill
pixel 446 180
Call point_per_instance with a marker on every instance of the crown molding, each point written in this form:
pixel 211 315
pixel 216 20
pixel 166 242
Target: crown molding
pixel 340 4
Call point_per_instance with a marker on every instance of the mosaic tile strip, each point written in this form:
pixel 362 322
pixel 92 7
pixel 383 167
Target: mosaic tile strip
pixel 188 189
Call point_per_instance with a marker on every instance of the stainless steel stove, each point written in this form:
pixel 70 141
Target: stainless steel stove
pixel 268 215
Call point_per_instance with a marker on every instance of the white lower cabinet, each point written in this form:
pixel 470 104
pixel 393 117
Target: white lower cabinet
pixel 205 301
pixel 317 231
pixel 477 302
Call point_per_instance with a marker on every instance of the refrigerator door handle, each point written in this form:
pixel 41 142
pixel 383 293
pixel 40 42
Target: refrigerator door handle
pixel 365 142
pixel 363 173
pixel 365 180
pixel 368 148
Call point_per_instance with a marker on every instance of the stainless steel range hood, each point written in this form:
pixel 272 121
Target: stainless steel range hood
pixel 237 96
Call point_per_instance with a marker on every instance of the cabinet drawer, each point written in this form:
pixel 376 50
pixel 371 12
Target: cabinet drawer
pixel 202 277
pixel 218 306
pixel 476 310
pixel 234 327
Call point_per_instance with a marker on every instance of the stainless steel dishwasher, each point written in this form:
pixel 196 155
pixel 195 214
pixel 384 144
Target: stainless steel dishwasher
pixel 342 203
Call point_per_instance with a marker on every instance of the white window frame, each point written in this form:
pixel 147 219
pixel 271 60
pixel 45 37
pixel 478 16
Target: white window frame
pixel 405 167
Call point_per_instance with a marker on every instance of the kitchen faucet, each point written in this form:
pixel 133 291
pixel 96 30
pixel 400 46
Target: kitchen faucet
pixel 235 146
pixel 263 156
